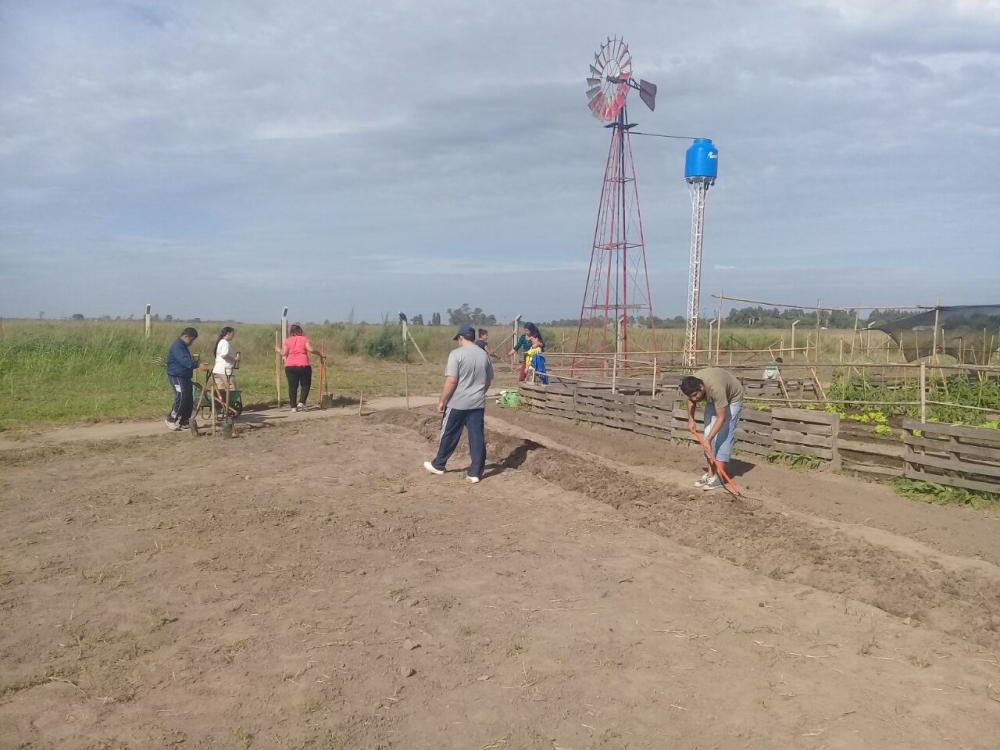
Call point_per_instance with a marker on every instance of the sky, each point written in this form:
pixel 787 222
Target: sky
pixel 225 159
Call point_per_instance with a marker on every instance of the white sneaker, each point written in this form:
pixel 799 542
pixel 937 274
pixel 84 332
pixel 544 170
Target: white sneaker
pixel 430 467
pixel 302 407
pixel 713 483
pixel 474 480
pixel 294 409
pixel 172 426
pixel 700 484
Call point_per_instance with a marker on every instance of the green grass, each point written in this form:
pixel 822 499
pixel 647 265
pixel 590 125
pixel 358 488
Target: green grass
pixel 90 371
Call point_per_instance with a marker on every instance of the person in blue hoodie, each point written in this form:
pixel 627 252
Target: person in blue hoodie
pixel 181 367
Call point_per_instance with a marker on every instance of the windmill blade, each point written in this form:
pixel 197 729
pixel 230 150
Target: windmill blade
pixel 592 92
pixel 622 52
pixel 596 73
pixel 647 92
pixel 593 81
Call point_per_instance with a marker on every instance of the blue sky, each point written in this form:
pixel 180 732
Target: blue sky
pixel 413 156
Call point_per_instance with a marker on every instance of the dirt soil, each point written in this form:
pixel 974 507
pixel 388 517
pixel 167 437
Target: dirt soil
pixel 309 585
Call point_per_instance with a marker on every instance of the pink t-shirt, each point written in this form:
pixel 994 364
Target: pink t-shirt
pixel 298 355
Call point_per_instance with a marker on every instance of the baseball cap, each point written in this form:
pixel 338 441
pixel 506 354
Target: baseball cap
pixel 465 332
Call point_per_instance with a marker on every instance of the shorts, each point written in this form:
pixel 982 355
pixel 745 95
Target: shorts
pixel 722 444
pixel 223 383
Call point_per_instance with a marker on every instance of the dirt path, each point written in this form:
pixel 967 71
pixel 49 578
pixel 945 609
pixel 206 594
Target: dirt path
pixel 842 499
pixel 312 587
pixel 260 418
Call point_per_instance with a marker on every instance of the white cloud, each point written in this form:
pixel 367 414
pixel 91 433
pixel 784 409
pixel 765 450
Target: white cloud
pixel 342 155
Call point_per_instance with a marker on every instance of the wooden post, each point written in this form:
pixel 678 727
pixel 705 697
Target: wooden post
pixel 277 366
pixel 361 403
pixel 148 321
pixel 819 315
pixel 653 387
pixel 857 315
pixel 406 363
pixel 212 402
pixel 718 330
pixel 841 350
pixel 923 392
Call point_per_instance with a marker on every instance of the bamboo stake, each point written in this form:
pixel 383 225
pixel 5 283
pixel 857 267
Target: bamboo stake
pixel 923 392
pixel 361 403
pixel 818 384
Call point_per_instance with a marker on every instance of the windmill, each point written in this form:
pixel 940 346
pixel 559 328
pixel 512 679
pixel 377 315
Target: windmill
pixel 617 290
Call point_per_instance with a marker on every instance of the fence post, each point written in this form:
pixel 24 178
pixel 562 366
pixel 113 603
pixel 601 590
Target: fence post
pixel 148 320
pixel 836 464
pixel 923 391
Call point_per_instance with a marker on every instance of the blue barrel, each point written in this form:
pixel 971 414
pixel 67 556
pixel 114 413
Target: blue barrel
pixel 702 162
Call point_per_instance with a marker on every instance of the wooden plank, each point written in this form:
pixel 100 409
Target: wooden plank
pixel 874 449
pixel 783 436
pixel 803 450
pixel 950 446
pixel 665 404
pixel 952 464
pixel 757 450
pixel 808 416
pixel 881 471
pixel 820 430
pixel 985 434
pixel 968 484
pixel 756 416
pixel 743 438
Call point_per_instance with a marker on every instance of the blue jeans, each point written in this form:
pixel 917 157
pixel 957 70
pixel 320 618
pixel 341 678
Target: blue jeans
pixel 722 444
pixel 451 430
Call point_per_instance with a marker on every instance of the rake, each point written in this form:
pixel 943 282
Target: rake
pixel 730 485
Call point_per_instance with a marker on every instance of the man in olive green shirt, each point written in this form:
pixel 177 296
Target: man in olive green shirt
pixel 723 397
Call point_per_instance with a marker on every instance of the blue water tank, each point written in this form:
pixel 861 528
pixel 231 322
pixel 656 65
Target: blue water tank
pixel 702 162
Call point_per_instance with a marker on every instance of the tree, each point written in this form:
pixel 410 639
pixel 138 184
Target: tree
pixel 77 316
pixel 168 318
pixel 466 316
pixel 417 320
pixel 436 319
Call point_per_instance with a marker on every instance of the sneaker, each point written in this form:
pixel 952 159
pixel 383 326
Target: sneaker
pixel 294 409
pixel 474 480
pixel 185 426
pixel 172 426
pixel 700 484
pixel 430 467
pixel 713 483
pixel 302 407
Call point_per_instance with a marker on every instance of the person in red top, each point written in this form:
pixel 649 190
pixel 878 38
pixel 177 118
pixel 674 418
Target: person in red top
pixel 296 351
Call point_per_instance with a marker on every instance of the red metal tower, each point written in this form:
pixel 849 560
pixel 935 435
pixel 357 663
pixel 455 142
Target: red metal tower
pixel 617 297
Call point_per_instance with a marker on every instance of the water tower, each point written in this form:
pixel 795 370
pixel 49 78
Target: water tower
pixel 701 167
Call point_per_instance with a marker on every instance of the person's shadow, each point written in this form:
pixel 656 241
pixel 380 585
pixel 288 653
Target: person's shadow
pixel 737 468
pixel 514 460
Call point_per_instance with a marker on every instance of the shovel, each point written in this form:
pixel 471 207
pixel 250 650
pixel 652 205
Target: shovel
pixel 730 485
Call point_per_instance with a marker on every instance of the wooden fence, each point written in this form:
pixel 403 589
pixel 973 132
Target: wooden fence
pixel 967 457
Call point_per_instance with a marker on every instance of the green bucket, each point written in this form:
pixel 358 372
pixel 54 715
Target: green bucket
pixel 509 398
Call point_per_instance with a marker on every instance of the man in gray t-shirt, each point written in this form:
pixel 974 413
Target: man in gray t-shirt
pixel 467 377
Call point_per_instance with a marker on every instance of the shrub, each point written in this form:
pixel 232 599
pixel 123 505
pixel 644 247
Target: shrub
pixel 386 344
pixel 352 340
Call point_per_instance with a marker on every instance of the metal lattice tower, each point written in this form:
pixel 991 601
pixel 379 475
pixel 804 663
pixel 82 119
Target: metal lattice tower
pixel 617 291
pixel 701 168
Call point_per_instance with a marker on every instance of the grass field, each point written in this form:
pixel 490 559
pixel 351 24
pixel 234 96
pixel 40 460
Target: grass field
pixel 88 371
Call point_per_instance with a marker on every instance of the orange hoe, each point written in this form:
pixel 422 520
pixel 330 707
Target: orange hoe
pixel 730 485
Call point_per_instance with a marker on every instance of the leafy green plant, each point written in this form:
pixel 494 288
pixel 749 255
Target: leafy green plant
pixel 944 495
pixel 882 429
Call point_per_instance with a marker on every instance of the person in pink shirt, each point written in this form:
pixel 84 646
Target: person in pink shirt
pixel 298 371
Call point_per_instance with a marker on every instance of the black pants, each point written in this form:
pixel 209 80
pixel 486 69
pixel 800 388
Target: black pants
pixel 298 377
pixel 183 399
pixel 451 430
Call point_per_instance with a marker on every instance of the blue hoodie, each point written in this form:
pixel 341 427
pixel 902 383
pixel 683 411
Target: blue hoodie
pixel 180 363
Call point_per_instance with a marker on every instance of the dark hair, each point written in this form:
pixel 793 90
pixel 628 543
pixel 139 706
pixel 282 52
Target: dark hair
pixel 690 385
pixel 222 334
pixel 483 332
pixel 779 360
pixel 295 330
pixel 190 333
